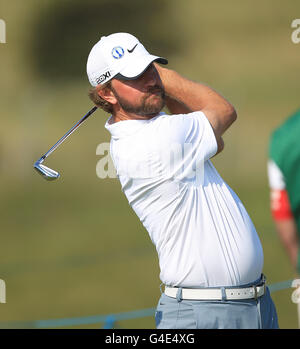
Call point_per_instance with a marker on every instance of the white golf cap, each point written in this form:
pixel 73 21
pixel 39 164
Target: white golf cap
pixel 118 55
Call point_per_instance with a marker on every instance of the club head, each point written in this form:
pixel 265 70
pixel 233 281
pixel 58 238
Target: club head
pixel 45 171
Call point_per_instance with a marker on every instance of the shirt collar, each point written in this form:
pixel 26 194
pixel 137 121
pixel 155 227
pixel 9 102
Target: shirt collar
pixel 127 127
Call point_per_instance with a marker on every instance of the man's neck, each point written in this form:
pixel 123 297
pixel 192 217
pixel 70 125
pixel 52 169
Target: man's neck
pixel 121 116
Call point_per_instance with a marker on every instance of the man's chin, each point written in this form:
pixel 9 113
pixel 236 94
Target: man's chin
pixel 157 102
pixel 154 110
pixel 151 107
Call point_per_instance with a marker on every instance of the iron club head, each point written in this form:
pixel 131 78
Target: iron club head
pixel 45 171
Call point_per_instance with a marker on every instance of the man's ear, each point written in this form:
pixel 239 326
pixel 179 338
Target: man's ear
pixel 107 94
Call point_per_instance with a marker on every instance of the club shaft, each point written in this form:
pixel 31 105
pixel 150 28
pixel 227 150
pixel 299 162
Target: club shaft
pixel 57 144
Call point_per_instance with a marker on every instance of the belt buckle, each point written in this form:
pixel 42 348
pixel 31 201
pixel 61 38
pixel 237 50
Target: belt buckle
pixel 255 289
pixel 255 292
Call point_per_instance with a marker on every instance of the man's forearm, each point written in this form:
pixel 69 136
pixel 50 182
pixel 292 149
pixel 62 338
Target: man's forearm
pixel 287 231
pixel 176 107
pixel 196 96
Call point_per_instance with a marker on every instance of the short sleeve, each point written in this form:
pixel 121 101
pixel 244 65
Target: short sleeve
pixel 199 132
pixel 188 142
pixel 275 176
pixel 277 151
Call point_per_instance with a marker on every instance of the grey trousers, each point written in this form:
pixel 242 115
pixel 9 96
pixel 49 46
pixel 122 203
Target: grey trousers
pixel 238 314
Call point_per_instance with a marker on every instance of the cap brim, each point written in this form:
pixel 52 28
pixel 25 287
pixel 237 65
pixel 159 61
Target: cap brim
pixel 140 66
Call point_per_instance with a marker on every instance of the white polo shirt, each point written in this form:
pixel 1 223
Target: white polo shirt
pixel 201 230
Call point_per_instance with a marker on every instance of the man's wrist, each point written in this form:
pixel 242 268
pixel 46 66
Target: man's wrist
pixel 165 76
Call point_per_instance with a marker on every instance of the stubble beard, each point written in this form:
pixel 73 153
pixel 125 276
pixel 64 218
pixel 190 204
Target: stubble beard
pixel 147 107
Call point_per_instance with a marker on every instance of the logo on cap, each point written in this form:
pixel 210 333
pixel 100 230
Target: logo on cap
pixel 117 52
pixel 103 77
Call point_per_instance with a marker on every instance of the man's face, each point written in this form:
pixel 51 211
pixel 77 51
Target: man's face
pixel 144 96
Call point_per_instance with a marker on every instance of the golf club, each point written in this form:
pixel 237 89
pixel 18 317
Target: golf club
pixel 47 172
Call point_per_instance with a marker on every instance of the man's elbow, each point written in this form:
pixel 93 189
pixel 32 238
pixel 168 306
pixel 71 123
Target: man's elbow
pixel 231 113
pixel 229 117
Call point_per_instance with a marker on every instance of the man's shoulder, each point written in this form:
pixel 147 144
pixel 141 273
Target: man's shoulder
pixel 179 124
pixel 284 139
pixel 178 118
pixel 291 124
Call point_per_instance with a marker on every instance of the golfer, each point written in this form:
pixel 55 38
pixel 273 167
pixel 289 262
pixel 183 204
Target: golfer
pixel 210 255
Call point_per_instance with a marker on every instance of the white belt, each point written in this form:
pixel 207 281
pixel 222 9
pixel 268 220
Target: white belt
pixel 252 292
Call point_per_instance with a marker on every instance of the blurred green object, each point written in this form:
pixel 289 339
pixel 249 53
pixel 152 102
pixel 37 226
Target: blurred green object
pixel 69 247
